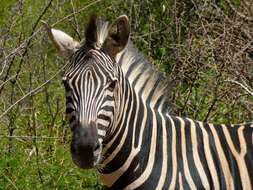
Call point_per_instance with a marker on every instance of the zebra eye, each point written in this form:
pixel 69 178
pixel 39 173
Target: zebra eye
pixel 64 79
pixel 112 85
pixel 65 83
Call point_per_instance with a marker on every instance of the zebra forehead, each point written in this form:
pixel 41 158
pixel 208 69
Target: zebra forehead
pixel 93 58
pixel 87 72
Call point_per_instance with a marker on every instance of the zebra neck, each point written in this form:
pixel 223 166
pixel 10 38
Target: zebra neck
pixel 135 124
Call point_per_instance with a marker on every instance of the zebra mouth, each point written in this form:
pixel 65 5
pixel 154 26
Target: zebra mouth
pixel 82 162
pixel 86 165
pixel 87 159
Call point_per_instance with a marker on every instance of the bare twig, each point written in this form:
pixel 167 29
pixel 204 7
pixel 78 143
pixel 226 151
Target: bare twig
pixel 34 91
pixel 11 182
pixel 239 13
pixel 31 34
pixel 7 80
pixel 79 11
pixel 244 86
pixel 243 49
pixel 40 138
pixel 4 64
pixel 75 20
pixel 17 50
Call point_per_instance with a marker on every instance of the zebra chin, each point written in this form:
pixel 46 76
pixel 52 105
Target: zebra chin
pixel 85 146
pixel 82 163
pixel 86 157
pixel 85 162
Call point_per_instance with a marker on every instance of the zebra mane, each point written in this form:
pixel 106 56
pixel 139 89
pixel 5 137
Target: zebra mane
pixel 136 66
pixel 102 31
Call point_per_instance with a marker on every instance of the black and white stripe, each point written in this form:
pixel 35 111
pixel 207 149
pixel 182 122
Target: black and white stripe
pixel 89 99
pixel 143 145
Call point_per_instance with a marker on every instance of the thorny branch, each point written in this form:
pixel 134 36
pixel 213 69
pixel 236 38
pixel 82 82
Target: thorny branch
pixel 239 13
pixel 32 92
pixel 29 41
pixel 40 138
pixel 244 86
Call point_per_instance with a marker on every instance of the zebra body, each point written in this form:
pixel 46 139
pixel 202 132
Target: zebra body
pixel 118 112
pixel 186 154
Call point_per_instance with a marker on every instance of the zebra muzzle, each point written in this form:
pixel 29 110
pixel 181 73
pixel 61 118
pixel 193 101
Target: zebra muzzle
pixel 84 148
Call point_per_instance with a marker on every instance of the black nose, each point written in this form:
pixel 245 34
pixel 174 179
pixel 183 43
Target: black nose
pixel 84 143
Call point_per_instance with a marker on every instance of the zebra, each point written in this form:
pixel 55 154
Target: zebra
pixel 118 112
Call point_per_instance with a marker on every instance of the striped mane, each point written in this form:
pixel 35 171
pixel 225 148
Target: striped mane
pixel 136 67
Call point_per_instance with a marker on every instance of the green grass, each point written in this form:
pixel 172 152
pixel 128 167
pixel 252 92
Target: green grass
pixel 51 168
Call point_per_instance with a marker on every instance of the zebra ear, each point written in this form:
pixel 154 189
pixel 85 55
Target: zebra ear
pixel 118 36
pixel 62 41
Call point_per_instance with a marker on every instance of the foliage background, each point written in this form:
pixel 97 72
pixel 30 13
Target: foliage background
pixel 203 47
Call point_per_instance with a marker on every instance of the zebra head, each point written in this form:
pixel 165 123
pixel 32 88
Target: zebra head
pixel 91 83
